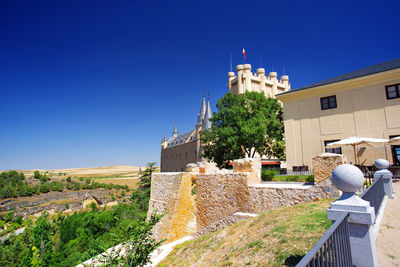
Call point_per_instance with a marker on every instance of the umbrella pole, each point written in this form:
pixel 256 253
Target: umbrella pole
pixel 355 158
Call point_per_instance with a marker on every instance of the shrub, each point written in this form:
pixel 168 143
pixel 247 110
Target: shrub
pixel 268 175
pixel 44 178
pixel 69 179
pixel 310 179
pixel 56 186
pixel 36 174
pixel 19 220
pixel 9 216
pixel 77 186
pixel 88 181
pixel 69 186
pixel 45 188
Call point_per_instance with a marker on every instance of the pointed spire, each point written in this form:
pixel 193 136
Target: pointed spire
pixel 202 110
pixel 175 132
pixel 209 107
pixel 207 116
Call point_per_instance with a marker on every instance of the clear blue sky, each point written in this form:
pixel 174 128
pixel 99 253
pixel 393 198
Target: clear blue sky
pixel 96 83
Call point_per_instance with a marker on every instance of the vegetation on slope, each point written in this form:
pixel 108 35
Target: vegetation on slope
pixel 69 240
pixel 14 184
pixel 275 238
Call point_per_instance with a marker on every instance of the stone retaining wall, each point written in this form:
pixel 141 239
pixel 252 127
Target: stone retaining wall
pixel 198 201
pixel 171 195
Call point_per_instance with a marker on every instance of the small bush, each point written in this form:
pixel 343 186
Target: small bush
pixel 9 216
pixel 36 174
pixel 45 188
pixel 310 179
pixel 69 179
pixel 19 220
pixel 268 175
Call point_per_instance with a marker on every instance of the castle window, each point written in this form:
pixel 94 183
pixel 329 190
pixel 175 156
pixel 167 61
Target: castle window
pixel 328 102
pixel 393 91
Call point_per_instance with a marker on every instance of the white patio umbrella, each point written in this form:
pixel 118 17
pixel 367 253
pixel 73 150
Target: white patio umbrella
pixel 356 140
pixel 394 141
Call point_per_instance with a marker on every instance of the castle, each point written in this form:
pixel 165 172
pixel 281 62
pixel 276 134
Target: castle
pixel 246 81
pixel 181 149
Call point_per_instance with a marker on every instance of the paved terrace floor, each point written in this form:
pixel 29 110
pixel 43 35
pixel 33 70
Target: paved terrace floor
pixel 388 239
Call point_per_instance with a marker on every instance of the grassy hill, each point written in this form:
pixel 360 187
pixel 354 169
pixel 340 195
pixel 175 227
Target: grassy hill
pixel 275 238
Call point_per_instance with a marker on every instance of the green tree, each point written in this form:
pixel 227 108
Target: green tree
pixel 36 174
pixel 243 126
pixel 36 262
pixel 145 179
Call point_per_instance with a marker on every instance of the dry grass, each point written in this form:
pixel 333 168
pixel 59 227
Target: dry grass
pixel 275 238
pixel 91 172
pixel 131 182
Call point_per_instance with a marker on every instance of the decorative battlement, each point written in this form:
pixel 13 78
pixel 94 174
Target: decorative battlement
pixel 246 81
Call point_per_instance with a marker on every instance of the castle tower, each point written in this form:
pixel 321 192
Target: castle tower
pixel 246 81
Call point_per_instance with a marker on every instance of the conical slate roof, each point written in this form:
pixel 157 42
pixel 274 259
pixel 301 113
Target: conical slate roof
pixel 202 110
pixel 207 116
pixel 175 132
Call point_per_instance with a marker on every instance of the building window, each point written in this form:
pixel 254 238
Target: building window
pixel 395 152
pixel 328 102
pixel 393 91
pixel 337 150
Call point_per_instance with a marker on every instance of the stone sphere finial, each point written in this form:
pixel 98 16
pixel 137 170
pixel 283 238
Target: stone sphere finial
pixel 382 164
pixel 347 178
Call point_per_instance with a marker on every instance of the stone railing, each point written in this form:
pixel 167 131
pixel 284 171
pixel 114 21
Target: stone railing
pixel 357 217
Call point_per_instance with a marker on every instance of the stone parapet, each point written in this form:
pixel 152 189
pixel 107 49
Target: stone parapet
pixel 220 195
pixel 250 165
pixel 324 164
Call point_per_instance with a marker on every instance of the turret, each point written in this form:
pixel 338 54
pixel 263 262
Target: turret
pixel 285 80
pixel 247 78
pixel 261 76
pixel 231 76
pixel 240 79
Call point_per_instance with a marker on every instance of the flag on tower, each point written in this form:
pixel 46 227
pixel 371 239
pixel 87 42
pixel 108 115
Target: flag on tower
pixel 244 53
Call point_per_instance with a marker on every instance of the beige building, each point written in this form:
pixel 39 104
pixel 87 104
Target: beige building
pixel 363 103
pixel 245 81
pixel 181 149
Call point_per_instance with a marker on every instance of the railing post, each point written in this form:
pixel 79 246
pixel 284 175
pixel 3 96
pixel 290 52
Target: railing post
pixel 386 175
pixel 350 179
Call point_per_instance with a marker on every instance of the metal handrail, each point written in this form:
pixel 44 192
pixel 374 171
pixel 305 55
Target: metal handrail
pixel 375 194
pixel 333 249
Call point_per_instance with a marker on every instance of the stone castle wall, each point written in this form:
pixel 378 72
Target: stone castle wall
pixel 198 201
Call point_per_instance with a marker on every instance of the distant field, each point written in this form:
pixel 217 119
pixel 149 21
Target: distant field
pixel 113 171
pixel 129 181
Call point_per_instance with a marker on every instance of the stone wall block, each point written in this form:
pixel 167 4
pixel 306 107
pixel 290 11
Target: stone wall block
pixel 252 166
pixel 324 164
